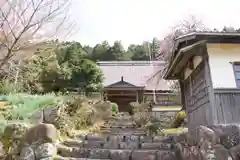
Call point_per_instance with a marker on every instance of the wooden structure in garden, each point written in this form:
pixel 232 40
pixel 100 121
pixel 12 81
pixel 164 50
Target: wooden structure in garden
pixel 132 81
pixel 207 65
pixel 123 93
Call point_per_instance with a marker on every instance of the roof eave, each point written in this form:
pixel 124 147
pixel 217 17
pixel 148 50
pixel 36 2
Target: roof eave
pixel 123 88
pixel 169 75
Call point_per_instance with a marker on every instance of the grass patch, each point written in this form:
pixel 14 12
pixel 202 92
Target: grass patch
pixel 23 105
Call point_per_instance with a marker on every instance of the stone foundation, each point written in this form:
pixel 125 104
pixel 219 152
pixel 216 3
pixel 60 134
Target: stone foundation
pixel 217 142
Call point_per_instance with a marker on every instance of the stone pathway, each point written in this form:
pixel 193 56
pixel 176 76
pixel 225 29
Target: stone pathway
pixel 119 140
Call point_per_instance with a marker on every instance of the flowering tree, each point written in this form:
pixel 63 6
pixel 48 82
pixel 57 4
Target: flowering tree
pixel 191 24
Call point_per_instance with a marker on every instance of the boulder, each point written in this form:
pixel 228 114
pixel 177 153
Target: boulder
pixel 228 134
pixel 41 133
pixel 46 151
pixel 52 113
pixel 48 114
pixel 37 117
pixel 27 153
pixel 56 115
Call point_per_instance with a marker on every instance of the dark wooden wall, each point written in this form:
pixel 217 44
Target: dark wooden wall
pixel 122 98
pixel 227 102
pixel 197 97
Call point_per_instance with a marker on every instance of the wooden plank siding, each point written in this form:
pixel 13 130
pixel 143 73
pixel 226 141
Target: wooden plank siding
pixel 197 99
pixel 227 103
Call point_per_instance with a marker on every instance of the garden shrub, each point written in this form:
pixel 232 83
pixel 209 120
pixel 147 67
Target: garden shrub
pixel 141 118
pixel 86 112
pixel 178 119
pixel 74 104
pixel 114 109
pixel 132 108
pixel 154 126
pixel 84 116
pixel 138 107
pixel 104 110
pixel 79 111
pixel 140 113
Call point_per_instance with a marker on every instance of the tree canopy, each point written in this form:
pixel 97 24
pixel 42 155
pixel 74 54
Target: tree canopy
pixel 62 66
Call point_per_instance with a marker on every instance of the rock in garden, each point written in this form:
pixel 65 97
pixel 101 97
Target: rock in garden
pixel 228 134
pixel 27 153
pixel 37 117
pixel 57 116
pixel 51 113
pixel 46 151
pixel 41 133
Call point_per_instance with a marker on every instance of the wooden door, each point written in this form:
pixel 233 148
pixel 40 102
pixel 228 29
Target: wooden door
pixel 122 101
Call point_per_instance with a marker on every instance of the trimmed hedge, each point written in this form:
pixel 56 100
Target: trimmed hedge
pixel 114 108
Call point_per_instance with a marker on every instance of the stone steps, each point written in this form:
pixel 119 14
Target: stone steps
pixel 123 133
pixel 118 140
pixel 70 158
pixel 120 145
pixel 117 154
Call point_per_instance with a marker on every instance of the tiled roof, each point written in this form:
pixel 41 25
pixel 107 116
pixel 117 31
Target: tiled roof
pixel 137 73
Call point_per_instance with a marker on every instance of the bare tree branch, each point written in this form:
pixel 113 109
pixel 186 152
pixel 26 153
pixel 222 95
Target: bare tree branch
pixel 24 21
pixel 191 24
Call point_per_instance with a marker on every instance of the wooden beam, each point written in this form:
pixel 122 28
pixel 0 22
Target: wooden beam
pixel 227 90
pixel 208 78
pixel 182 95
pixel 117 94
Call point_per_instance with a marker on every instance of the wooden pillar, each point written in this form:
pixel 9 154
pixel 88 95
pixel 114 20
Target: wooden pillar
pixel 101 94
pixel 137 97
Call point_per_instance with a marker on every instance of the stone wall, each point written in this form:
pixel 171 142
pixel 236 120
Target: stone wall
pixel 217 142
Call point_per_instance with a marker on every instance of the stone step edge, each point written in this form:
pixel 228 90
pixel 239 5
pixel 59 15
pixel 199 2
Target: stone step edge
pixel 91 153
pixel 120 126
pixel 71 158
pixel 107 137
pixel 71 149
pixel 112 150
pixel 103 141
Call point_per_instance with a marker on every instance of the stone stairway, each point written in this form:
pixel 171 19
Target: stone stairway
pixel 118 139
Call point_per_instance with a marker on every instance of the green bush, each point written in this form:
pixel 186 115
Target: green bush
pixel 84 112
pixel 114 109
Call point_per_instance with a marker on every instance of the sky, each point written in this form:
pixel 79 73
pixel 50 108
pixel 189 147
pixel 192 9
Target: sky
pixel 135 21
